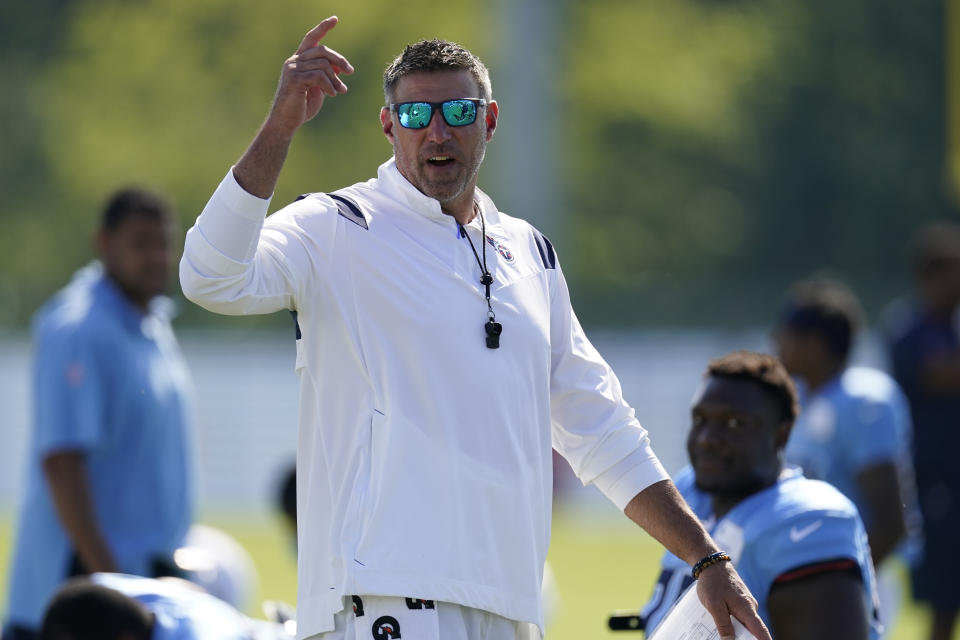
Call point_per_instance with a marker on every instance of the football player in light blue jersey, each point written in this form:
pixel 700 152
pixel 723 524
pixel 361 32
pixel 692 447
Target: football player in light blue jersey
pixel 113 606
pixel 109 467
pixel 854 428
pixel 799 544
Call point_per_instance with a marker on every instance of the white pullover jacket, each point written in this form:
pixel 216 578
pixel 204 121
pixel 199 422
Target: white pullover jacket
pixel 423 459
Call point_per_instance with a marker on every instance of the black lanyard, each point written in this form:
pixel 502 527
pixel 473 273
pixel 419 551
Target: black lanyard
pixel 492 328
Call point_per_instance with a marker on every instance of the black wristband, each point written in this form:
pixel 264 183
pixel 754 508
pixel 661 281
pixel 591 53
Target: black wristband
pixel 709 561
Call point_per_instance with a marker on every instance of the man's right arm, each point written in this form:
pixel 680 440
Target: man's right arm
pixel 72 387
pixel 231 264
pixel 661 511
pixel 66 475
pixel 308 77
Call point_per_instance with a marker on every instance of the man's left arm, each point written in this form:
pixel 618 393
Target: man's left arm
pixel 874 446
pixel 661 511
pixel 880 490
pixel 597 433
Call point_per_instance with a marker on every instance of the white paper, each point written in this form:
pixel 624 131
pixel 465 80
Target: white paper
pixel 689 620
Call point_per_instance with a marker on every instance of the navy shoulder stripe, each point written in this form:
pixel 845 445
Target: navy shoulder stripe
pixel 349 210
pixel 345 207
pixel 545 247
pixel 296 325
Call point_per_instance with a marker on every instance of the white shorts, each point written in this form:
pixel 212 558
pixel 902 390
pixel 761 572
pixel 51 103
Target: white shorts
pixel 389 618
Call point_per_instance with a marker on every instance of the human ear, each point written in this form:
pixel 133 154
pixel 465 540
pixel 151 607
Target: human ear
pixel 387 123
pixel 490 118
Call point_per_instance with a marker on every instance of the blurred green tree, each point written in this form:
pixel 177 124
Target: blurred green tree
pixel 168 93
pixel 724 148
pixel 713 150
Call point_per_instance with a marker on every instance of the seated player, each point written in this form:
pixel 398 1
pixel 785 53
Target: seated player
pixel 854 430
pixel 113 606
pixel 798 544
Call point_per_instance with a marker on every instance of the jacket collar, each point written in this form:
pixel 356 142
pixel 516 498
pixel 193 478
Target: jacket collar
pixel 399 188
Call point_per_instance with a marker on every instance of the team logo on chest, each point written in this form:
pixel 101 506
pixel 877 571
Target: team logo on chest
pixel 386 628
pixel 501 248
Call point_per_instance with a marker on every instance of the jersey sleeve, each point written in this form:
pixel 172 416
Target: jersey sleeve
pixel 874 433
pixel 238 262
pixel 593 427
pixel 70 391
pixel 830 539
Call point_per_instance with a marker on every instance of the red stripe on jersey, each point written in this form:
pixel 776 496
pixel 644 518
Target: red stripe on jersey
pixel 813 569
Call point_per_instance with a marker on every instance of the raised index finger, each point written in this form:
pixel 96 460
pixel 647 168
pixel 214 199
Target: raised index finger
pixel 314 36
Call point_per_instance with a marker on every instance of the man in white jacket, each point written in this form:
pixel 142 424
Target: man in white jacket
pixel 439 360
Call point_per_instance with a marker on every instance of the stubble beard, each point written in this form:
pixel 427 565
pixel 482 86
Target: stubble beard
pixel 442 191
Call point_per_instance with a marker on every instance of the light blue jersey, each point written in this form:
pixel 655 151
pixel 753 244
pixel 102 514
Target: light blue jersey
pixel 108 381
pixel 857 420
pixel 795 523
pixel 184 614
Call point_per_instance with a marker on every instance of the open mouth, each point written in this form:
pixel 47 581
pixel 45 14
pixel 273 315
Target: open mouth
pixel 440 161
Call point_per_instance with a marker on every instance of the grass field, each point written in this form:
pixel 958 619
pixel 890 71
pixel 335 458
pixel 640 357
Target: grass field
pixel 597 570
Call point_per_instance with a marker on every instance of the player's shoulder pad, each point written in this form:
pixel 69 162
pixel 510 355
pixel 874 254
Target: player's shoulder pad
pixel 70 314
pixel 792 497
pixel 798 496
pixel 869 384
pixel 806 517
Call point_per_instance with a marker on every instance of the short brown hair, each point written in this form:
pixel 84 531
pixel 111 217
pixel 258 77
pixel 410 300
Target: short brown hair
pixel 826 308
pixel 435 55
pixel 84 610
pixel 131 201
pixel 764 370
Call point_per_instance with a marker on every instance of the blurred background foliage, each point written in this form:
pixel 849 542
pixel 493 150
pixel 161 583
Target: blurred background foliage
pixel 708 152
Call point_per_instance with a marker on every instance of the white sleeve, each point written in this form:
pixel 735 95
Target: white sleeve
pixel 235 264
pixel 593 427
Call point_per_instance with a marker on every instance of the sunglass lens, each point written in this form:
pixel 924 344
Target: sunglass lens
pixel 414 115
pixel 459 113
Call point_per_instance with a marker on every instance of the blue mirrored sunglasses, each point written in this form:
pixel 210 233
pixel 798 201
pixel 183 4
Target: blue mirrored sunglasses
pixel 456 113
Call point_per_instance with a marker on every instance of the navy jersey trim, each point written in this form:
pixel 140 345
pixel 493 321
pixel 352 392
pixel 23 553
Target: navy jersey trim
pixel 345 207
pixel 296 325
pixel 842 565
pixel 545 247
pixel 349 210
